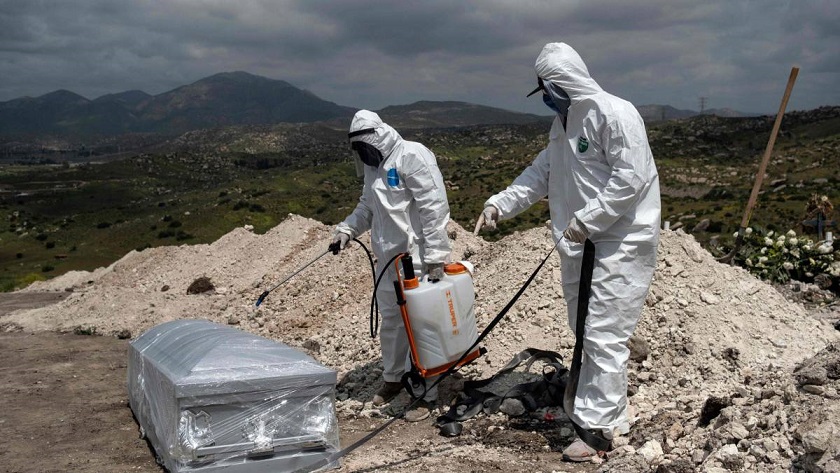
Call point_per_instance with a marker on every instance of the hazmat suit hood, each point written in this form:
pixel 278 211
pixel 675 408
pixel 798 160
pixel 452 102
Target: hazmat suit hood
pixel 560 64
pixel 384 137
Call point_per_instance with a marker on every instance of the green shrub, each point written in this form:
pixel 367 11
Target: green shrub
pixel 79 330
pixel 782 257
pixel 182 235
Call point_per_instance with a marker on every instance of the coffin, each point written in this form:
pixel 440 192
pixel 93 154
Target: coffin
pixel 213 398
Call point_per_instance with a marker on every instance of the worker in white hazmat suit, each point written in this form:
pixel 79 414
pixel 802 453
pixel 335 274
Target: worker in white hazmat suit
pixel 404 205
pixel 602 184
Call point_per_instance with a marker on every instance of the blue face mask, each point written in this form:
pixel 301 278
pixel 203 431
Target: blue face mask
pixel 556 98
pixel 367 153
pixel 550 104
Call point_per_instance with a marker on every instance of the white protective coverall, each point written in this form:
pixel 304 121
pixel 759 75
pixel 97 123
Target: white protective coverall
pixel 406 213
pixel 598 168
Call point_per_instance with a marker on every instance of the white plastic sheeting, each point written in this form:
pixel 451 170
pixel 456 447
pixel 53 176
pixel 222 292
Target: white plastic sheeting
pixel 210 397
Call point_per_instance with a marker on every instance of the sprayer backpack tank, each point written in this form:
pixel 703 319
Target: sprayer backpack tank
pixel 439 317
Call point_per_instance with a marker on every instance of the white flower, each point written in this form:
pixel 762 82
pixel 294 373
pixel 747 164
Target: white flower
pixel 762 259
pixel 793 241
pixel 779 243
pixel 764 251
pixel 795 253
pixel 824 249
pixel 787 265
pixel 809 274
pixel 768 242
pixel 735 235
pixel 781 238
pixel 807 247
pixel 749 262
pixel 770 233
pixel 791 233
pixel 748 231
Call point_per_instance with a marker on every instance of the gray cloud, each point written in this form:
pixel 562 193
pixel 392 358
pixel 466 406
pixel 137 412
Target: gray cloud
pixel 371 54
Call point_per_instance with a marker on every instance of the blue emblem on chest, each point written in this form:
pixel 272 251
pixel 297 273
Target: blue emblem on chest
pixel 393 178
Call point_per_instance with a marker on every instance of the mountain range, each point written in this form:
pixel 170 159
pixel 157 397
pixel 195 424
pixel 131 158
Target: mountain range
pixel 240 98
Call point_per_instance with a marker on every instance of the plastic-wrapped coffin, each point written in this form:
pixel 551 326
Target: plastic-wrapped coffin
pixel 213 398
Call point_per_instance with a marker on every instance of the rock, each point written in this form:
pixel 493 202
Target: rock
pixel 675 431
pixel 711 409
pixel 814 389
pixel 770 445
pixel 730 456
pixel 512 407
pixel 701 226
pixel 710 299
pixel 619 451
pixel 620 441
pixel 651 451
pixel 817 434
pixel 200 285
pixel 813 374
pixel 639 348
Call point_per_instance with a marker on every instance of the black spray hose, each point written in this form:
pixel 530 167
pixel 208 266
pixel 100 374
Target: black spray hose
pixel 374 304
pixel 374 313
pixel 336 455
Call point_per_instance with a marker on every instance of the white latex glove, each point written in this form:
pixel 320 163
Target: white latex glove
pixel 435 272
pixel 576 232
pixel 339 242
pixel 488 218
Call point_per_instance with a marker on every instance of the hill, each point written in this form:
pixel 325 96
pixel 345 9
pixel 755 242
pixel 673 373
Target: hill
pixel 224 99
pixel 661 113
pixel 428 114
pixel 198 186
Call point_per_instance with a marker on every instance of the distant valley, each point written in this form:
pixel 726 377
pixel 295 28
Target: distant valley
pixel 135 119
pixel 81 201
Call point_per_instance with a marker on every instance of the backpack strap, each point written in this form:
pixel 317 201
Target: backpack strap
pixel 593 439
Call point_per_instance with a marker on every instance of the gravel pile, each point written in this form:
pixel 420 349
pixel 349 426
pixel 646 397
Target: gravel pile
pixel 724 375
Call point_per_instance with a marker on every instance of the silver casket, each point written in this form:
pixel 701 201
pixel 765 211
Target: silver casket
pixel 213 398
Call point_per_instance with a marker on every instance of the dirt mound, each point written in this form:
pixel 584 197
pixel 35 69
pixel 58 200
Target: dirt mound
pixel 708 330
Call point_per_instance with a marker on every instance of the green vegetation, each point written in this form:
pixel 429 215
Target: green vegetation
pixel 780 257
pixel 61 217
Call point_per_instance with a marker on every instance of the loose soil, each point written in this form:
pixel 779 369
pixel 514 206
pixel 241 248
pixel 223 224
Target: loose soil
pixel 708 331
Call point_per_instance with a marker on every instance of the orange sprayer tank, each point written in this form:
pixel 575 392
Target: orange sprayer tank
pixel 440 319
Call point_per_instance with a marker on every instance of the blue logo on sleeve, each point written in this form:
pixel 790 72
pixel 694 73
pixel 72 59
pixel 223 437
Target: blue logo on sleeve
pixel 393 177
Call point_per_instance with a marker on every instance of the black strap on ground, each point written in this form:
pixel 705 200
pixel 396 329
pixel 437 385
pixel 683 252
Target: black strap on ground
pixel 337 455
pixel 594 440
pixel 544 392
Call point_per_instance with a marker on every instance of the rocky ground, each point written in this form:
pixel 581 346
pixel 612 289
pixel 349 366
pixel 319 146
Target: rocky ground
pixel 727 374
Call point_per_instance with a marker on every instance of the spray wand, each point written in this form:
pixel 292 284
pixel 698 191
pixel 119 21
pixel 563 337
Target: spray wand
pixel 266 293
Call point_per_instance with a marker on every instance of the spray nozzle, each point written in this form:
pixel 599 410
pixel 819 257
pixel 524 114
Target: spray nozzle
pixel 408 267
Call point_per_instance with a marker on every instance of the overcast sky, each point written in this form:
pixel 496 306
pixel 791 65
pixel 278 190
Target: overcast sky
pixel 371 54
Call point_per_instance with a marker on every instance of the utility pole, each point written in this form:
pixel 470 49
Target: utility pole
pixel 703 101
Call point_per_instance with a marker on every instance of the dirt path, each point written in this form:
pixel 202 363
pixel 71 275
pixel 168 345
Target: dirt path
pixel 65 408
pixel 12 301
